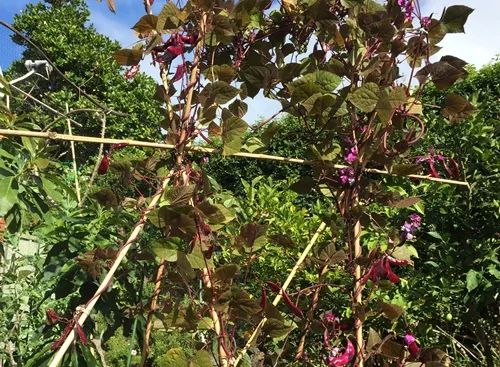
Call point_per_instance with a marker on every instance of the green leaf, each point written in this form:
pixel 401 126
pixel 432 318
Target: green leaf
pixel 175 357
pixel 223 29
pixel 472 280
pixel 146 24
pixel 232 134
pixel 454 18
pixel 226 272
pixel 201 359
pixel 276 328
pixel 197 259
pixel 388 102
pixel 392 350
pixel 320 81
pixel 435 235
pixel 8 195
pixel 218 92
pixel 406 169
pixel 404 252
pixel 166 249
pixel 391 311
pixel 456 108
pixel 304 185
pixel 366 97
pixel 127 56
pixel 373 339
pixel 225 73
pixel 405 203
pixel 170 17
pixel 180 195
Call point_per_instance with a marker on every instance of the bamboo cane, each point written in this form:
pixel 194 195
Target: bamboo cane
pixel 278 297
pixel 96 140
pixel 85 312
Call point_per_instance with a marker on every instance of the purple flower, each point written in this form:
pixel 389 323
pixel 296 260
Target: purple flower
pixel 346 176
pixel 413 347
pixel 329 317
pixel 416 220
pixel 425 22
pixel 409 227
pixel 407 6
pixel 351 155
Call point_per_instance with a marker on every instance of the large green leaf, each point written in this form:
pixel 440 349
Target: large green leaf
pixel 233 129
pixel 365 97
pixel 454 18
pixel 218 92
pixel 388 102
pixel 8 195
pixel 175 357
pixel 457 108
pixel 128 57
pixel 472 280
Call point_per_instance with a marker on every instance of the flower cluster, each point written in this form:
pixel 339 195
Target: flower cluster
pixel 132 72
pixel 407 6
pixel 425 22
pixel 346 176
pixel 172 48
pixel 410 226
pixel 412 345
pixel 381 269
pixel 449 164
pixel 351 154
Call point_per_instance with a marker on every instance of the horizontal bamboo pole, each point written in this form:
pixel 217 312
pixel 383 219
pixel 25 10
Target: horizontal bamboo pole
pixel 85 310
pixel 138 143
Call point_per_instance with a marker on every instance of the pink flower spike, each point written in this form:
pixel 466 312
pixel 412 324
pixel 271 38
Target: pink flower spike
pixel 344 358
pixel 425 22
pixel 413 347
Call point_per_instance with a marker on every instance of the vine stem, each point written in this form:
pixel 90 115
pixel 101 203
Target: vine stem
pixel 199 149
pixel 278 297
pixel 86 309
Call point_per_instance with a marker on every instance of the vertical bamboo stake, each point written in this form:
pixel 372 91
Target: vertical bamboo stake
pixel 278 297
pixel 152 309
pixel 85 311
pixel 358 289
pixel 73 155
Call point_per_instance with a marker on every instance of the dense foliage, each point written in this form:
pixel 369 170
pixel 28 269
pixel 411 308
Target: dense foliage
pixel 393 258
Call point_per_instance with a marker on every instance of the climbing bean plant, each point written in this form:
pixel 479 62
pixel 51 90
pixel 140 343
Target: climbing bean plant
pixel 335 66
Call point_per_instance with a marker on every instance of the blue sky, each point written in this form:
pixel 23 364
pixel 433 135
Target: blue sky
pixel 478 46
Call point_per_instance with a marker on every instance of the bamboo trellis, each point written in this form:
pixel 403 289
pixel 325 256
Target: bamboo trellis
pixel 193 148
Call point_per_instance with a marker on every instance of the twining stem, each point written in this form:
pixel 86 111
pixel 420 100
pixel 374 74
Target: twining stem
pixel 285 285
pixel 86 309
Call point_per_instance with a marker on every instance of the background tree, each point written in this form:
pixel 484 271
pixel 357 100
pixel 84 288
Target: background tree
pixel 62 30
